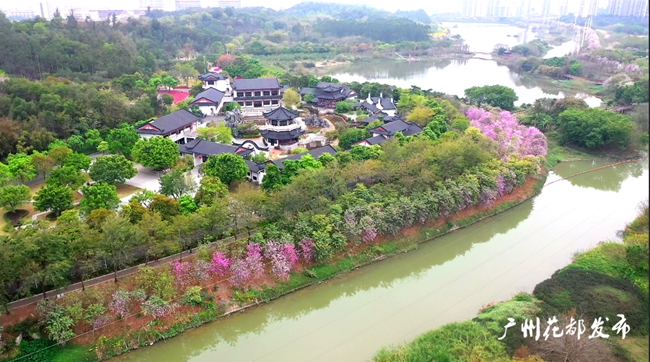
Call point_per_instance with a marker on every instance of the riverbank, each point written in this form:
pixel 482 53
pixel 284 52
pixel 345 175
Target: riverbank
pixel 616 270
pixel 149 330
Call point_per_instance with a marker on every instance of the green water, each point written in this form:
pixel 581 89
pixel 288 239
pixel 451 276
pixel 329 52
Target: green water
pixel 448 279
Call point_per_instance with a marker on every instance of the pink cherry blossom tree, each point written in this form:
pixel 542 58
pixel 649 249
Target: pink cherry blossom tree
pixel 219 264
pixel 307 249
pixel 280 265
pixel 254 260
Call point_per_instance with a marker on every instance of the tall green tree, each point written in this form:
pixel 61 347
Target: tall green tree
pixel 494 95
pixel 99 196
pixel 177 183
pixel 5 174
pixel 21 167
pixel 53 198
pixel 66 177
pixel 156 152
pixel 78 161
pixel 11 197
pixel 42 163
pixel 351 136
pixel 595 128
pixel 220 133
pixel 112 169
pixel 121 140
pixel 59 154
pixel 48 258
pixel 119 237
pixel 210 190
pixel 227 167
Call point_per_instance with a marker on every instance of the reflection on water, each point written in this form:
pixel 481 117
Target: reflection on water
pixel 445 280
pixel 450 76
pixel 482 37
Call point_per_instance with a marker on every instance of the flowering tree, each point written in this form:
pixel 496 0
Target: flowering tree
pixel 182 272
pixel 219 264
pixel 290 254
pixel 240 273
pixel 280 265
pixel 201 271
pixel 512 138
pixel 156 307
pixel 254 260
pixel 307 249
pixel 120 303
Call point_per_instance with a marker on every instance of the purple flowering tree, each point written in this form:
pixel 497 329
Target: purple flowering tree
pixel 182 272
pixel 254 260
pixel 307 249
pixel 219 264
pixel 201 271
pixel 119 303
pixel 290 254
pixel 512 138
pixel 280 265
pixel 240 275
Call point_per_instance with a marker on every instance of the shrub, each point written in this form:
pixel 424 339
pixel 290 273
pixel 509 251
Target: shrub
pixel 193 296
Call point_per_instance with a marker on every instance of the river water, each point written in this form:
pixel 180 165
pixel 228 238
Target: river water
pixel 446 280
pixel 453 76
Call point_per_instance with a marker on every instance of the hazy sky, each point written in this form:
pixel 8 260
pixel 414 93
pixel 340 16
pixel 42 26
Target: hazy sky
pixel 429 6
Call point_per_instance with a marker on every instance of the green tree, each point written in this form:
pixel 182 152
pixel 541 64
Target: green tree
pixel 59 154
pixel 11 197
pixel 5 174
pixel 210 190
pixel 48 257
pixel 58 325
pixel 187 205
pixel 92 139
pixel 119 237
pixel 76 142
pixel 290 98
pixel 99 196
pixel 165 206
pixel 308 97
pixel 103 147
pixel 42 163
pixel 78 161
pixel 273 179
pixel 421 115
pixel 595 128
pixel 112 169
pixel 351 136
pixel 156 152
pixel 21 167
pixel 177 183
pixel 494 95
pixel 66 177
pixel 220 133
pixel 53 198
pixel 227 167
pixel 343 107
pixel 122 139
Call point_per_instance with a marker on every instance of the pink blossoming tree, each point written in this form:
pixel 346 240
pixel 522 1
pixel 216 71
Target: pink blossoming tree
pixel 219 264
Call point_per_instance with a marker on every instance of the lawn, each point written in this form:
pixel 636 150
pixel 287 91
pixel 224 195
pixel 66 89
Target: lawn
pixel 636 347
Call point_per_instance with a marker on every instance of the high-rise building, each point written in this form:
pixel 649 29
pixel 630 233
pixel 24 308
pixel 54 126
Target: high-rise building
pixel 187 4
pixel 152 4
pixel 637 8
pixel 564 7
pixel 230 4
pixel 546 8
pixel 588 8
pixel 475 8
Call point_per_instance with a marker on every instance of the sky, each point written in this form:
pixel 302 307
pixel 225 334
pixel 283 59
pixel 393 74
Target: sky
pixel 429 6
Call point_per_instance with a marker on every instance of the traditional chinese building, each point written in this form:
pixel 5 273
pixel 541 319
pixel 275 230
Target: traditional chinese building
pixel 202 149
pixel 382 133
pixel 215 80
pixel 375 105
pixel 326 95
pixel 256 96
pixel 283 128
pixel 209 101
pixel 179 126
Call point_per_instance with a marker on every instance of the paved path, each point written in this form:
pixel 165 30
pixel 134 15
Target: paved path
pixel 110 277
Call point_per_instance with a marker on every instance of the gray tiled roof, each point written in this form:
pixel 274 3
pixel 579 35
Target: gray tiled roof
pixel 207 148
pixel 255 84
pixel 281 114
pixel 211 94
pixel 171 122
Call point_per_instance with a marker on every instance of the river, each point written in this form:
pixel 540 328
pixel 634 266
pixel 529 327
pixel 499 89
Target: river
pixel 448 279
pixel 453 76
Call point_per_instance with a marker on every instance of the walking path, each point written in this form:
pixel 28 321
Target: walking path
pixel 56 293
